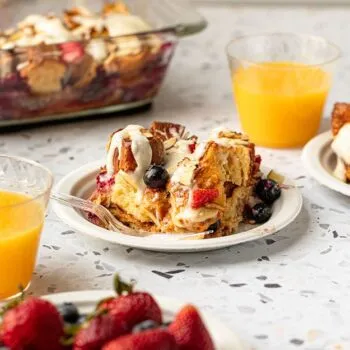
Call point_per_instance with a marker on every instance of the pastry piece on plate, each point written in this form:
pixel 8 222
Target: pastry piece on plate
pixel 162 179
pixel 341 143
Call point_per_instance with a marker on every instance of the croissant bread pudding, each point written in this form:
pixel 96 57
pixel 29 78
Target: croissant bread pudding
pixel 341 142
pixel 163 179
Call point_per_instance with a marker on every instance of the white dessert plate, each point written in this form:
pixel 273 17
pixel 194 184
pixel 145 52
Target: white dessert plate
pixel 224 339
pixel 320 161
pixel 81 183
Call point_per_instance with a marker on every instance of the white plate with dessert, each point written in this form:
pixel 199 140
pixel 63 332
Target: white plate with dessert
pixel 163 179
pixel 327 156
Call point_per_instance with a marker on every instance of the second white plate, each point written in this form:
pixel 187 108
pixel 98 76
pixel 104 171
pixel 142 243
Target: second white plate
pixel 320 161
pixel 81 183
pixel 223 338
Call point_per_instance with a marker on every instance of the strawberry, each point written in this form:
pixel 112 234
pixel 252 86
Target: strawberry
pixel 32 324
pixel 189 330
pixel 72 52
pixel 159 339
pixel 257 159
pixel 192 147
pixel 202 196
pixel 134 308
pixel 98 332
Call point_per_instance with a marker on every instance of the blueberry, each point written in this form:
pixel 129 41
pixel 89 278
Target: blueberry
pixel 144 326
pixel 268 190
pixel 69 313
pixel 260 213
pixel 215 226
pixel 156 176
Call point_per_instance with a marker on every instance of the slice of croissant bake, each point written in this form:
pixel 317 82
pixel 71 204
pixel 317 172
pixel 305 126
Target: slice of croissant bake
pixel 341 142
pixel 162 179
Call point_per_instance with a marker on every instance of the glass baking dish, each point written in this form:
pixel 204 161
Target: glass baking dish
pixel 38 83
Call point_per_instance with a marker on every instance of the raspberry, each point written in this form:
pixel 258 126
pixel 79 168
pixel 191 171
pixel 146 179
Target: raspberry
pixel 202 196
pixel 72 52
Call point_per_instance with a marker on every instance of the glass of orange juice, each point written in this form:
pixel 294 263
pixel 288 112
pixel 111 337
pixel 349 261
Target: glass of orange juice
pixel 280 85
pixel 24 193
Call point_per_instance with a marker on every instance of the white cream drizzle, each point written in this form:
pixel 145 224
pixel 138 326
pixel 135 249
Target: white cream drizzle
pixel 196 215
pixel 341 143
pixel 141 150
pixel 121 24
pixel 340 171
pixel 341 147
pixel 52 30
pixel 48 30
pixel 97 49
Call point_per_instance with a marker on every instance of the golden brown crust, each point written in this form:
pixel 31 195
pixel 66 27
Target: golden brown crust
pixel 127 161
pixel 340 116
pixel 158 151
pixel 45 77
pixel 347 174
pixel 37 54
pixel 83 73
pixel 165 131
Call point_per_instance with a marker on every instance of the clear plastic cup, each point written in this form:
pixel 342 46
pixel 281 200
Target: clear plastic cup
pixel 280 85
pixel 24 193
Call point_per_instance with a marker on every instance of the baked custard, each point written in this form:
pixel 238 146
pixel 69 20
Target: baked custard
pixel 163 179
pixel 81 60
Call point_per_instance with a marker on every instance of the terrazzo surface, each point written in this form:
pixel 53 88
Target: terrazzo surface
pixel 290 291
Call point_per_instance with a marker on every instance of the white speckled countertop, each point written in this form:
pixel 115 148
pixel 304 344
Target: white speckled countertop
pixel 308 263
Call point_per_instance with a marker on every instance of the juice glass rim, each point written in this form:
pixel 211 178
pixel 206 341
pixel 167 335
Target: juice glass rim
pixel 336 56
pixel 37 165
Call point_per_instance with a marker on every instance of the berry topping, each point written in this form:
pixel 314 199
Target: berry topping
pixel 189 330
pixel 72 52
pixel 192 147
pixel 104 181
pixel 258 159
pixel 268 190
pixel 144 326
pixel 156 176
pixel 69 313
pixel 32 324
pixel 260 213
pixel 159 339
pixel 203 196
pixel 215 226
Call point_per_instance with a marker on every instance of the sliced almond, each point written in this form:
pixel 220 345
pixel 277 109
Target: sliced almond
pixel 170 143
pixel 147 134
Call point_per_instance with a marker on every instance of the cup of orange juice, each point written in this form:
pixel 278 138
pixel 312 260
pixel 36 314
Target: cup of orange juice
pixel 24 193
pixel 280 85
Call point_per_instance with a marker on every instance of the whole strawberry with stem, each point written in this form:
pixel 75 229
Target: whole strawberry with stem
pixel 32 324
pixel 98 331
pixel 155 339
pixel 190 331
pixel 132 307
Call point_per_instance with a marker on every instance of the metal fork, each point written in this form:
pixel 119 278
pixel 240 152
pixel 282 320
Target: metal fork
pixel 113 224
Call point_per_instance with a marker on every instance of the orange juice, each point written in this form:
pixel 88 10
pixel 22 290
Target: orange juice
pixel 280 104
pixel 21 221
